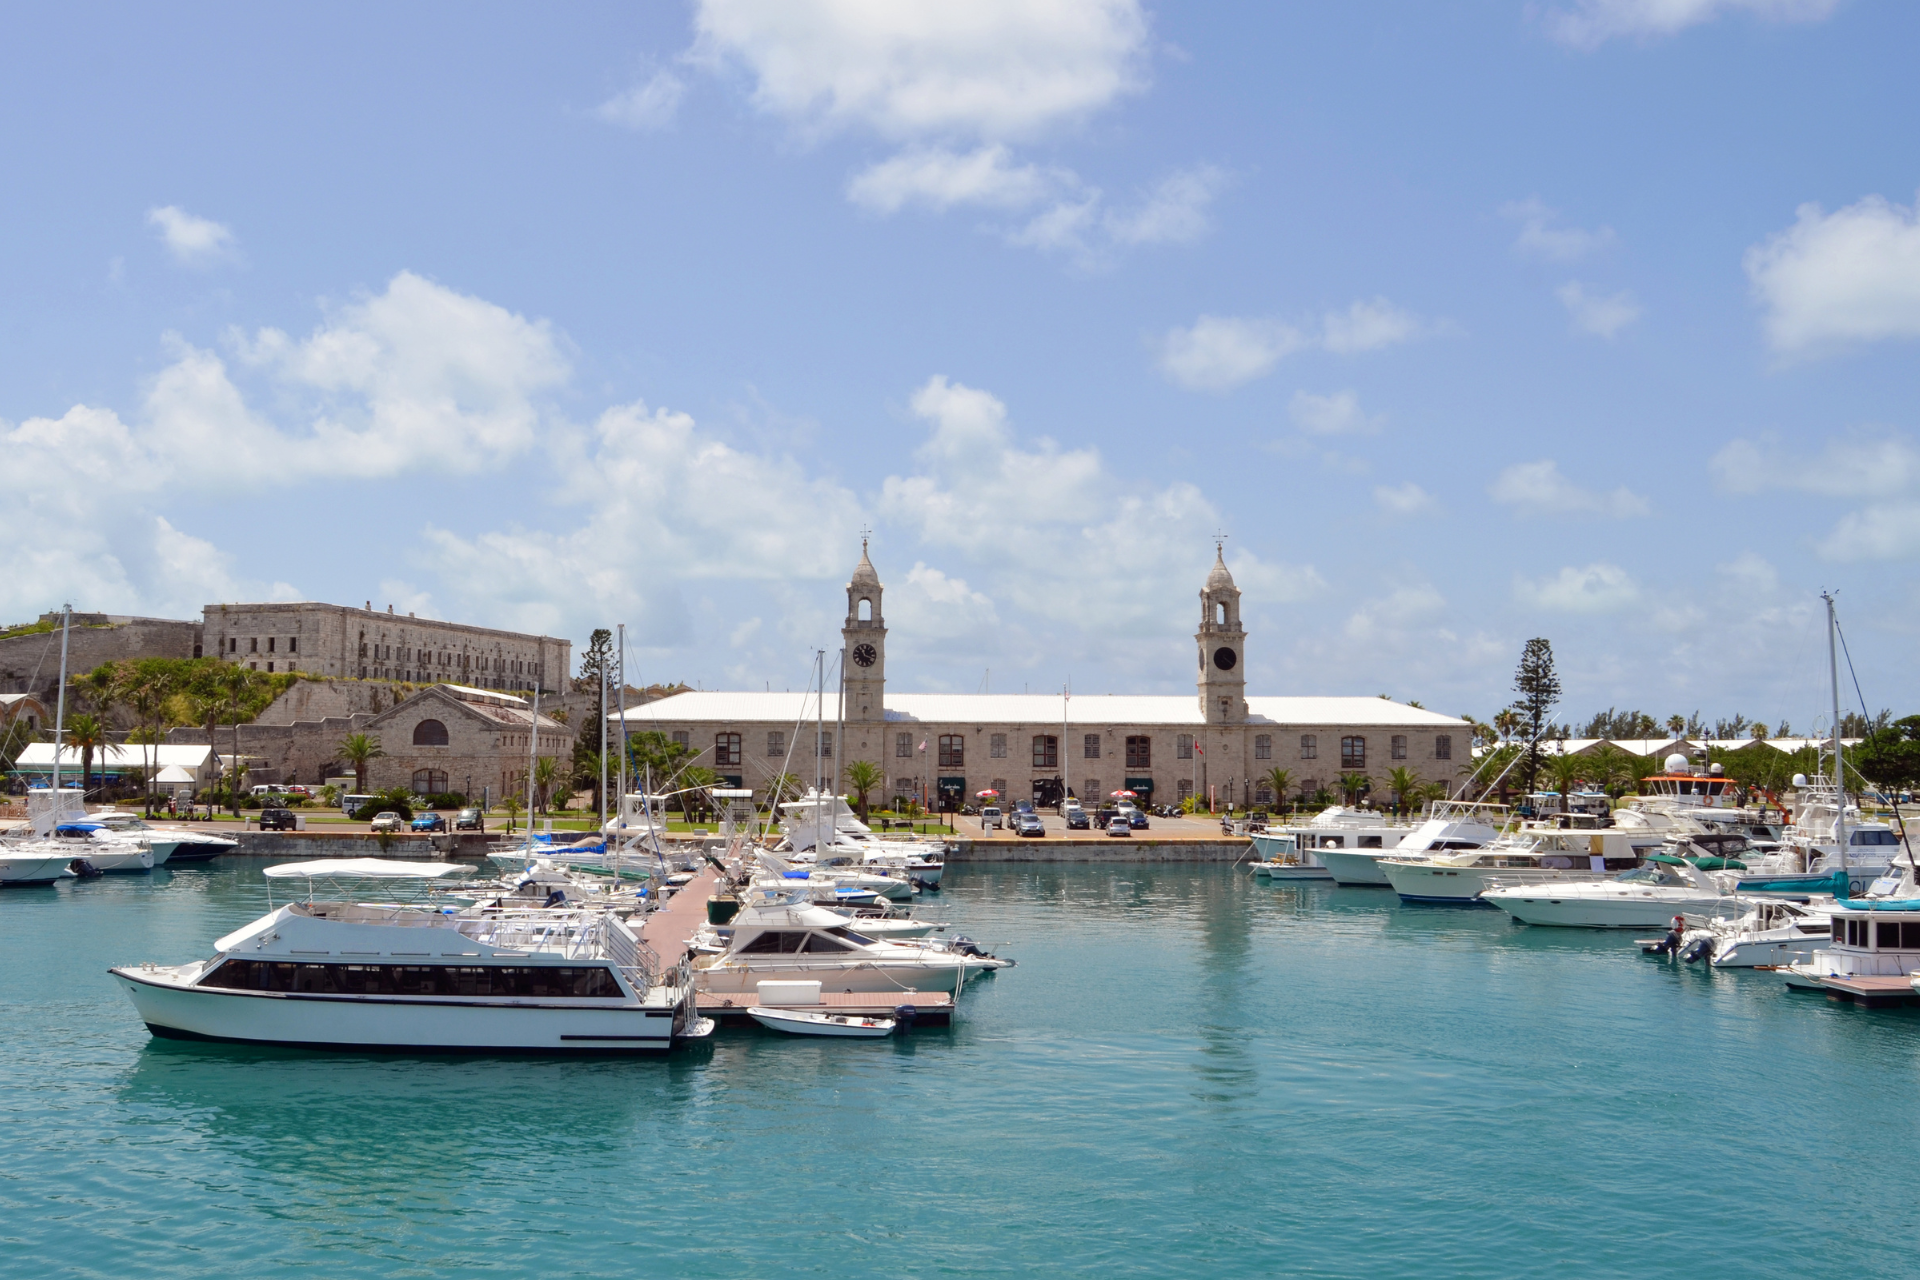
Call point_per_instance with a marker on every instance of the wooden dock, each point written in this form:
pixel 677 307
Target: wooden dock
pixel 930 1008
pixel 668 930
pixel 1872 991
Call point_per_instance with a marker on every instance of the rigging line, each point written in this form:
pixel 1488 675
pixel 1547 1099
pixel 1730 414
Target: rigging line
pixel 1863 709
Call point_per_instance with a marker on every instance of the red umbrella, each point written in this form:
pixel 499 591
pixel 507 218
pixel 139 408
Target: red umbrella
pixel 984 794
pixel 1121 795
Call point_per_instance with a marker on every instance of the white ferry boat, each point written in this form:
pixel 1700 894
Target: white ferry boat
pixel 347 974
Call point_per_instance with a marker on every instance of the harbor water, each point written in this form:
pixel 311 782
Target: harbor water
pixel 1190 1073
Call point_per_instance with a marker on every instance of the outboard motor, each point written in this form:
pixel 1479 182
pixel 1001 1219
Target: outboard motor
pixel 1699 949
pixel 84 869
pixel 904 1016
pixel 965 946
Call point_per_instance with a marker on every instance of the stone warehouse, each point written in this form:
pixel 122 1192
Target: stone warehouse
pixel 335 640
pixel 943 748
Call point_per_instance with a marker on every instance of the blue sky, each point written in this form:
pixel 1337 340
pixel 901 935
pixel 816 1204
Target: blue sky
pixel 1591 319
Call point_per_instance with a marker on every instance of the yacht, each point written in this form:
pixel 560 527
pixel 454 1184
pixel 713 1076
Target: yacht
pixel 1866 940
pixel 31 862
pixel 1281 859
pixel 172 845
pixel 1352 856
pixel 1778 931
pixel 824 829
pixel 1646 897
pixel 1529 858
pixel 780 935
pixel 104 851
pixel 837 881
pixel 333 972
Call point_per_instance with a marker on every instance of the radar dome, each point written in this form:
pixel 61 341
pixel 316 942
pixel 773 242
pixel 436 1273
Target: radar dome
pixel 1717 770
pixel 1799 779
pixel 1676 763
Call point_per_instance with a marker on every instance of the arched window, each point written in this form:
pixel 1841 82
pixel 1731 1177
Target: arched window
pixel 429 782
pixel 866 610
pixel 430 733
pixel 1220 614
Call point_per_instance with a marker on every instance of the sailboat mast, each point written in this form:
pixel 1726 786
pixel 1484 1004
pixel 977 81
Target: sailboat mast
pixel 620 668
pixel 60 709
pixel 1839 770
pixel 533 759
pixel 603 746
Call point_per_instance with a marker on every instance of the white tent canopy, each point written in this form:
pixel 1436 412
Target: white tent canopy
pixel 173 776
pixel 365 869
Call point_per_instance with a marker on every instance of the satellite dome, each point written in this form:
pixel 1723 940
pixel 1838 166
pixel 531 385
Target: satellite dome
pixel 1799 779
pixel 1676 763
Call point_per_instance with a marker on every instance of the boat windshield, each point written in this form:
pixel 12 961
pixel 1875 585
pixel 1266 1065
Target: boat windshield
pixel 1651 873
pixel 121 822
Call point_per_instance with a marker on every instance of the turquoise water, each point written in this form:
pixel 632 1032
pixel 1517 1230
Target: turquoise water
pixel 1190 1073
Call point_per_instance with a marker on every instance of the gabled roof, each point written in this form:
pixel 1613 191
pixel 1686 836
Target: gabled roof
pixel 446 698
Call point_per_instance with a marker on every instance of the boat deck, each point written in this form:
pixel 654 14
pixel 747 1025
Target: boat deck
pixel 930 1008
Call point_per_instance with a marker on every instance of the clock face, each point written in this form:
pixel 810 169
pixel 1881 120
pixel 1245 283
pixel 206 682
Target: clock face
pixel 865 654
pixel 1224 658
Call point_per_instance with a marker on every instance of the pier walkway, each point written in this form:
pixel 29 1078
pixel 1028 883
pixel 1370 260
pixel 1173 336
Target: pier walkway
pixel 668 930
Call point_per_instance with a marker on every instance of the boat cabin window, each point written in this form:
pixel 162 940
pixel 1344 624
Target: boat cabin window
pixel 1873 837
pixel 774 942
pixel 415 979
pixel 1369 842
pixel 858 939
pixel 820 942
pixel 1886 934
pixel 1333 842
pixel 1652 873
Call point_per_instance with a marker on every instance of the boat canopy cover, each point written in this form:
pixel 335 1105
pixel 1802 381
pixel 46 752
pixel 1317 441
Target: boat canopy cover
pixel 1667 858
pixel 1720 864
pixel 365 869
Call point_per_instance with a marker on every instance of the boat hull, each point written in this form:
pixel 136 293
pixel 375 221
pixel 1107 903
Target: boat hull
pixel 1539 905
pixel 862 977
pixel 1355 866
pixel 842 1026
pixel 1462 886
pixel 176 1011
pixel 31 869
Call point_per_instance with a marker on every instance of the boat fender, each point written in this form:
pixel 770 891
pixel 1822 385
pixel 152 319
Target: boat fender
pixel 1697 950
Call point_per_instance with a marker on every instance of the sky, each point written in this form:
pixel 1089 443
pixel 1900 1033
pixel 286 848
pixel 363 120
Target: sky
pixel 1462 322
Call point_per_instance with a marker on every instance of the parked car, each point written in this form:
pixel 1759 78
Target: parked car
pixel 469 819
pixel 1077 820
pixel 991 817
pixel 1137 819
pixel 1022 806
pixel 278 820
pixel 429 822
pixel 386 820
pixel 1119 827
pixel 1029 824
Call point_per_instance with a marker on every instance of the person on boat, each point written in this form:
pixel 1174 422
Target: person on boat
pixel 1670 945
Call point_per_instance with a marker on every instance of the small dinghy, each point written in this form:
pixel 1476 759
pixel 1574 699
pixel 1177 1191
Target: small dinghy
pixel 809 1022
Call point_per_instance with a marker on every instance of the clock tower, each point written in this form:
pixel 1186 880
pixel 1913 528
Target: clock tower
pixel 1223 648
pixel 863 646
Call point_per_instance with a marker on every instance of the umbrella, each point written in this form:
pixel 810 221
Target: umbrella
pixel 1121 795
pixel 173 775
pixel 985 794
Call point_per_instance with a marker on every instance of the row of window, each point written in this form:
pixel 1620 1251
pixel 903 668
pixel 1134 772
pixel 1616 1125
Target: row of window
pixel 951 748
pixel 415 979
pixel 1888 935
pixel 253 644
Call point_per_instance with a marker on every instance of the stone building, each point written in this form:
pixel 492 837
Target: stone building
pixel 30 660
pixel 1218 743
pixel 336 640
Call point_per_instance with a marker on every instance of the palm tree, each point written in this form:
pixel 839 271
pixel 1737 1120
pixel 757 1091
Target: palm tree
pixel 1405 785
pixel 87 733
pixel 1506 723
pixel 1353 786
pixel 511 803
pixel 1610 767
pixel 546 772
pixel 1676 725
pixel 865 777
pixel 146 695
pixel 357 749
pixel 1280 780
pixel 1566 771
pixel 234 688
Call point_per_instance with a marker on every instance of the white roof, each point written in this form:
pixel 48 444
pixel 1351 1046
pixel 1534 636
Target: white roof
pixel 468 693
pixel 364 869
pixel 173 773
pixel 1036 709
pixel 39 755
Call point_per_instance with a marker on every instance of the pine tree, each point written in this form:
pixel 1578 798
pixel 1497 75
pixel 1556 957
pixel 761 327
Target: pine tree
pixel 1539 690
pixel 595 663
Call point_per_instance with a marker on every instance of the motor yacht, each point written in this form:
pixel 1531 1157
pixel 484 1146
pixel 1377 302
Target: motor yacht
pixel 1528 858
pixel 823 828
pixel 336 972
pixel 172 845
pixel 1866 939
pixel 107 851
pixel 1778 931
pixel 1352 855
pixel 1646 897
pixel 782 936
pixel 835 879
pixel 34 862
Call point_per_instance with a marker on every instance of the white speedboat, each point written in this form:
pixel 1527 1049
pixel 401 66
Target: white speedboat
pixel 346 974
pixel 834 879
pixel 824 829
pixel 818 1022
pixel 1647 897
pixel 596 854
pixel 782 936
pixel 108 852
pixel 172 845
pixel 1352 855
pixel 33 862
pixel 1460 878
pixel 1776 932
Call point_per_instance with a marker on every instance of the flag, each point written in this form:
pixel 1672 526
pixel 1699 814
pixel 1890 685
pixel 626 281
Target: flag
pixel 1199 750
pixel 923 744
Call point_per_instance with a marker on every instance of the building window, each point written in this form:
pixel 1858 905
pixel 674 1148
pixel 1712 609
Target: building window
pixel 233 645
pixel 826 745
pixel 903 745
pixel 1093 789
pixel 1046 751
pixel 1309 747
pixel 1262 746
pixel 1183 746
pixel 1353 753
pixel 953 751
pixel 1092 747
pixel 1398 746
pixel 1443 746
pixel 1183 789
pixel 429 782
pixel 1140 752
pixel 776 743
pixel 683 737
pixel 1000 786
pixel 726 749
pixel 269 668
pixel 270 640
pixel 196 651
pixel 997 746
pixel 1262 792
pixel 293 644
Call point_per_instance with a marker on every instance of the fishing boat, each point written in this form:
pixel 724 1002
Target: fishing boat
pixel 1646 897
pixel 1524 859
pixel 1352 856
pixel 330 970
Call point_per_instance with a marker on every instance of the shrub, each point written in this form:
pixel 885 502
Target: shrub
pixel 383 804
pixel 444 800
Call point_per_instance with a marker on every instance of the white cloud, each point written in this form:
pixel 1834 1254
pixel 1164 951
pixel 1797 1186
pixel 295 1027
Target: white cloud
pixel 1332 415
pixel 1540 238
pixel 1538 489
pixel 192 240
pixel 1415 606
pixel 1219 353
pixel 1849 276
pixel 1860 465
pixel 1404 499
pixel 1175 212
pixel 988 69
pixel 1588 23
pixel 939 179
pixel 1881 531
pixel 1600 315
pixel 651 104
pixel 1596 588
pixel 1101 550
